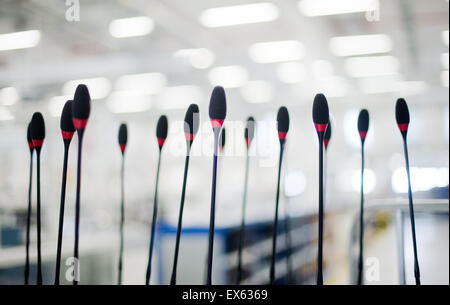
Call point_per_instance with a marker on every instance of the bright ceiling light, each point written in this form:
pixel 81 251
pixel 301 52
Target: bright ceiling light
pixel 99 87
pixel 5 114
pixel 131 27
pixel 408 88
pixel 19 40
pixel 371 66
pixel 322 69
pixel 444 36
pixel 444 60
pixel 143 83
pixel 239 14
pixel 128 102
pixel 276 51
pixel 9 96
pixel 360 45
pixel 291 72
pixel 257 91
pixel 383 85
pixel 56 104
pixel 228 76
pixel 444 78
pixel 179 97
pixel 336 7
pixel 201 58
pixel 335 86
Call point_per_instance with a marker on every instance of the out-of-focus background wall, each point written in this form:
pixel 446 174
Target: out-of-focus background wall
pixel 144 58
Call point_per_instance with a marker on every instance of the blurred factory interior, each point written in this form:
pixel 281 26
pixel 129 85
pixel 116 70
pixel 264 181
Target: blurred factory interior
pixel 144 58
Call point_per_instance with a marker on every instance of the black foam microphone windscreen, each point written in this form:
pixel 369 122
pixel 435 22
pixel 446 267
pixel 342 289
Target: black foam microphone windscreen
pixel 123 137
pixel 66 122
pixel 363 124
pixel 249 131
pixel 37 130
pixel 282 123
pixel 217 107
pixel 320 112
pixel 161 130
pixel 81 107
pixel 191 123
pixel 402 116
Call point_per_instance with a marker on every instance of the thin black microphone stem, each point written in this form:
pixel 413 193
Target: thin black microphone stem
pixel 275 223
pixel 320 250
pixel 38 212
pixel 213 205
pixel 77 209
pixel 242 230
pixel 27 242
pixel 361 221
pixel 122 218
pixel 61 212
pixel 173 279
pixel 152 233
pixel 411 215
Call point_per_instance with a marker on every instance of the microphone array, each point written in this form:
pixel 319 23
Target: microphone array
pixel 75 115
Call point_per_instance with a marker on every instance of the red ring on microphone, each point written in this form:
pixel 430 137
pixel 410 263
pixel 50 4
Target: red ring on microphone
pixel 79 123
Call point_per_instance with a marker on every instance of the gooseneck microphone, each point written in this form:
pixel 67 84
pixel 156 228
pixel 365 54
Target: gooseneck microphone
pixel 30 185
pixel 38 136
pixel 217 114
pixel 67 131
pixel 402 116
pixel 363 126
pixel 161 135
pixel 191 124
pixel 81 108
pixel 283 128
pixel 122 137
pixel 249 133
pixel 320 118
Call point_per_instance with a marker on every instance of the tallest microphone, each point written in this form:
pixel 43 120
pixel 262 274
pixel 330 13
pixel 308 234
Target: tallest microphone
pixel 81 108
pixel 321 119
pixel 402 117
pixel 217 114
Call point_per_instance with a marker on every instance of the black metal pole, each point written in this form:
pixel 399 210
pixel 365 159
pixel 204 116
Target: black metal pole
pixel 61 212
pixel 173 279
pixel 152 233
pixel 275 222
